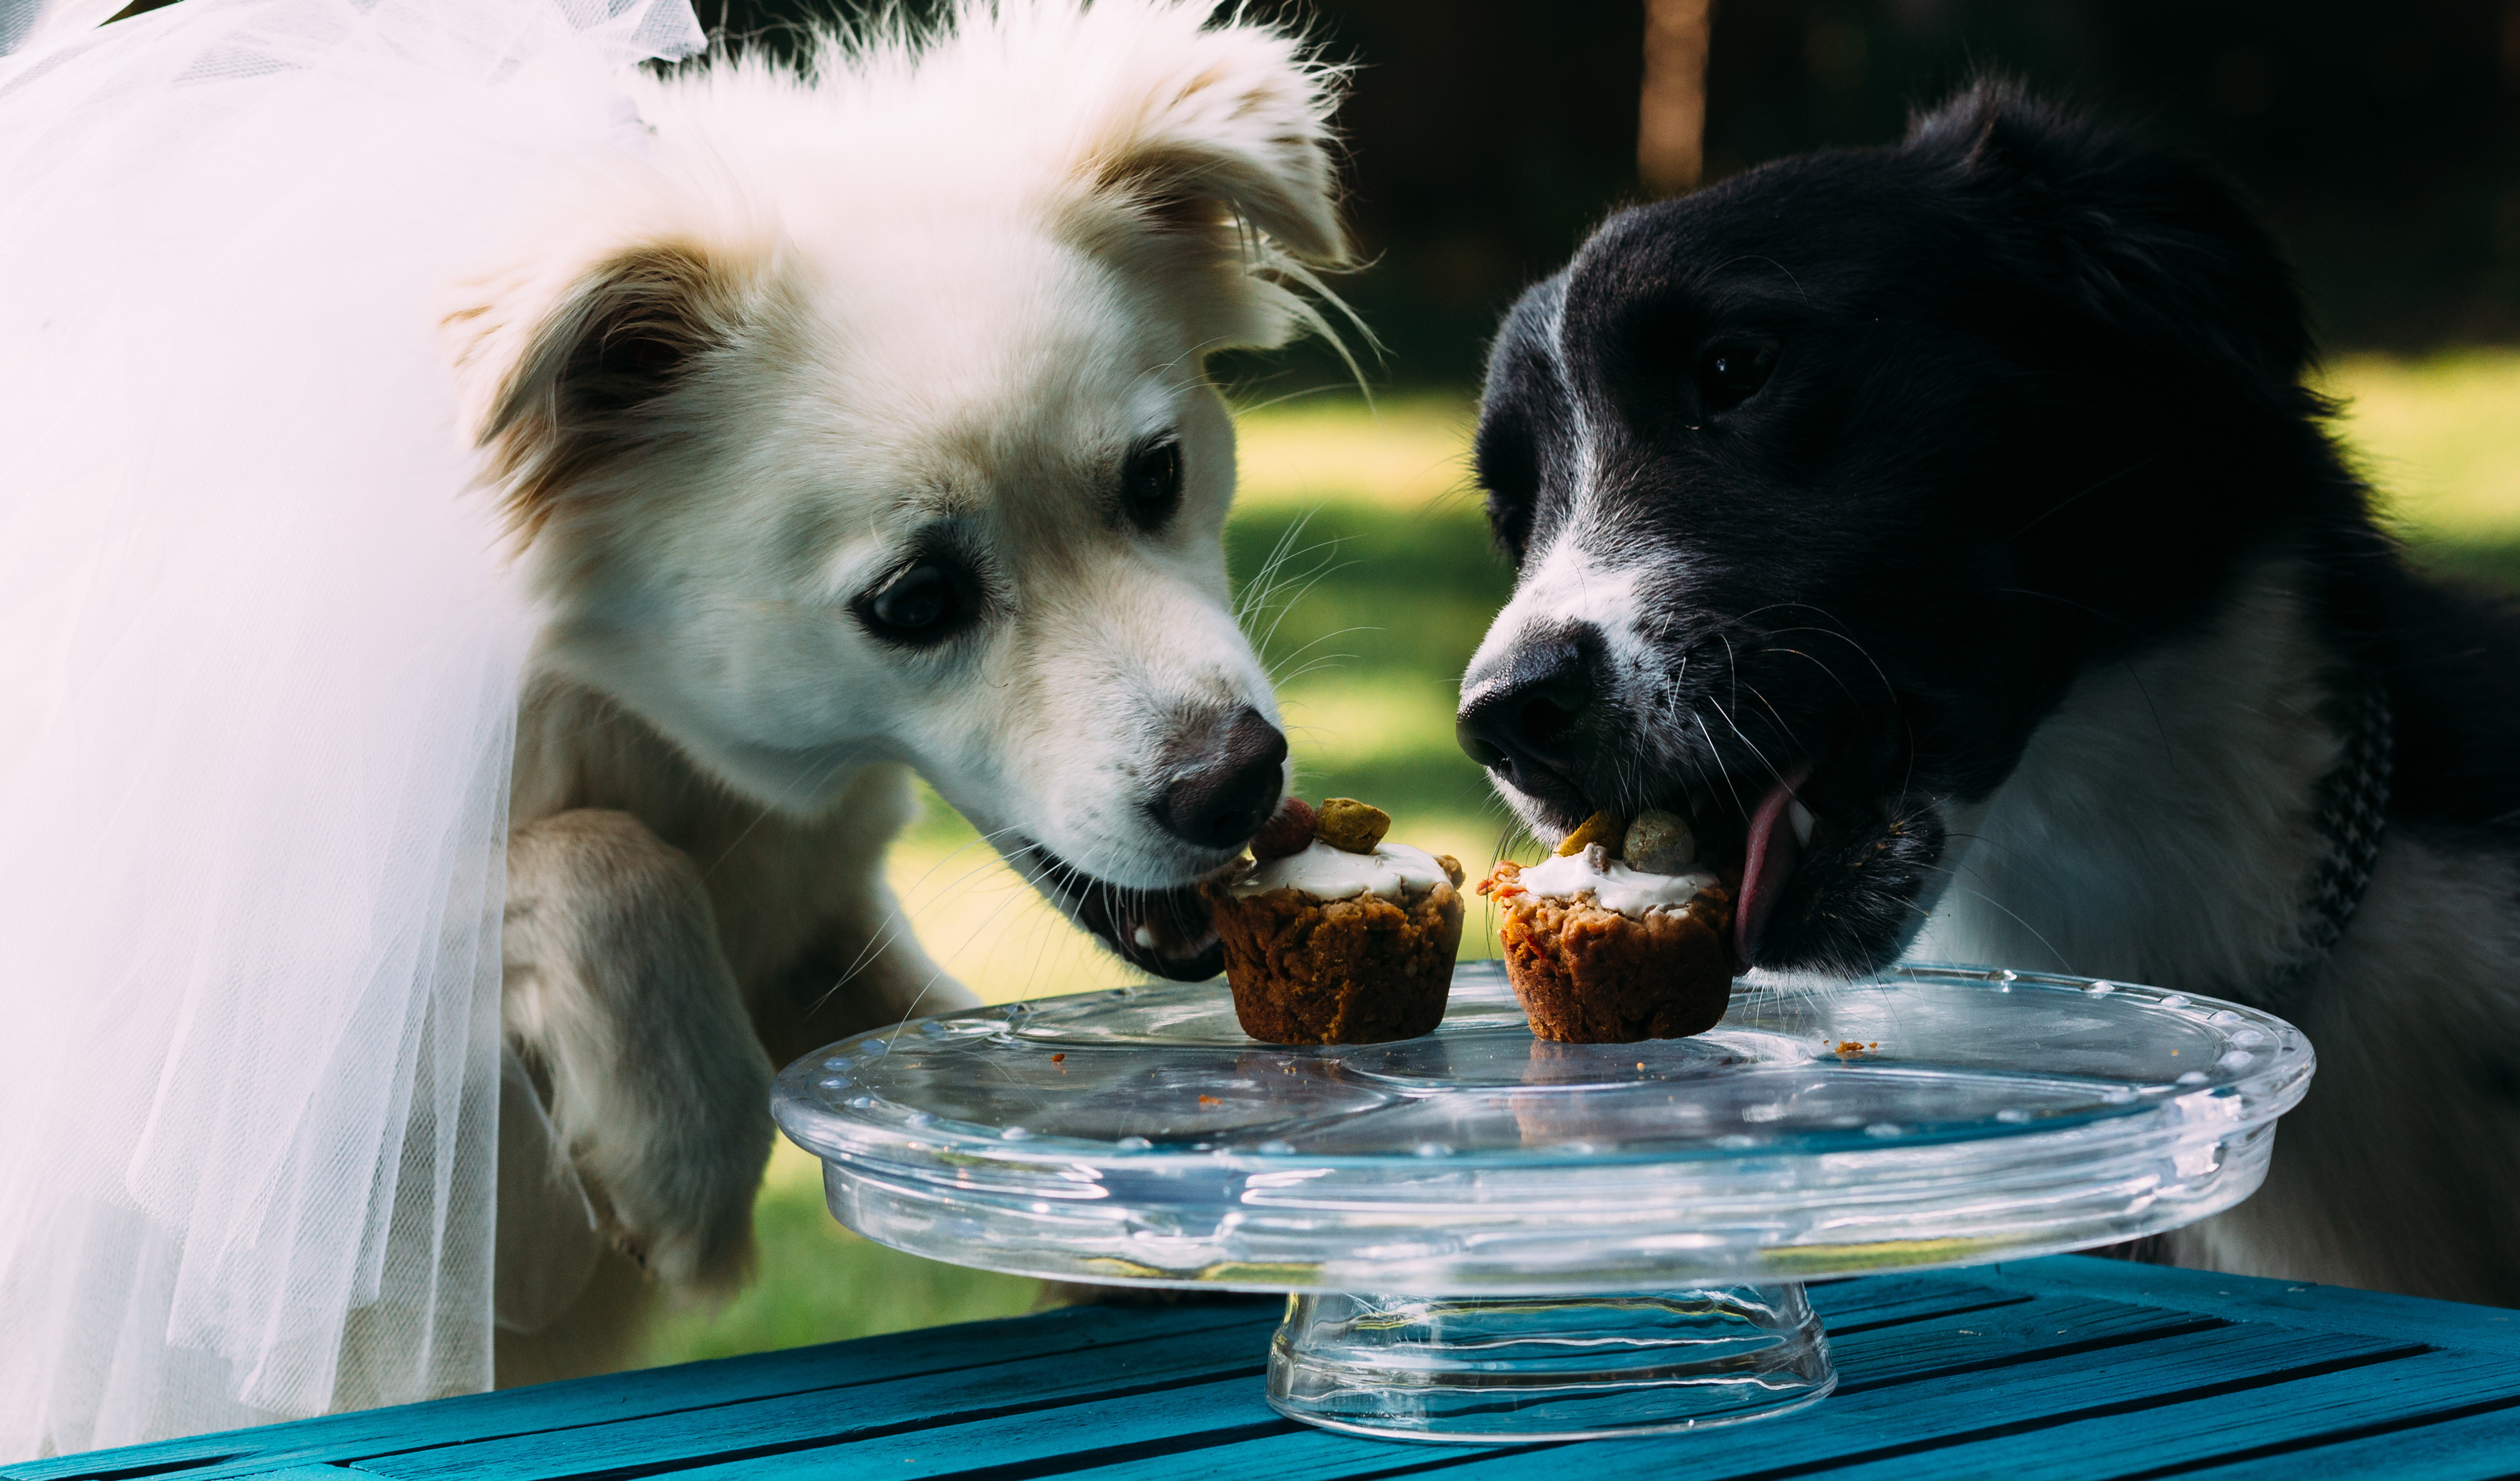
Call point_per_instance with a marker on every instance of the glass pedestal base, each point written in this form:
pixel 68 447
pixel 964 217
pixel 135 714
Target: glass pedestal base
pixel 1516 1369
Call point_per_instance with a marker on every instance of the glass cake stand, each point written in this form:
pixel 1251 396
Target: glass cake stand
pixel 1491 1238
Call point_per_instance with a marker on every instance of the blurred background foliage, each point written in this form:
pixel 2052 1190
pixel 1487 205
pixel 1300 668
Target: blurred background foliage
pixel 1485 139
pixel 2382 139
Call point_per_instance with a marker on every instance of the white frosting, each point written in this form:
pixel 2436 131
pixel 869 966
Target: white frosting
pixel 1611 884
pixel 1333 873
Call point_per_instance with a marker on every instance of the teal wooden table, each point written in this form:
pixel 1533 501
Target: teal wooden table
pixel 2071 1366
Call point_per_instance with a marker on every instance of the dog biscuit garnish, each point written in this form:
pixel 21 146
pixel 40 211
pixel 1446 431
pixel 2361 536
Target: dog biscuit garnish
pixel 1344 823
pixel 1289 830
pixel 1603 828
pixel 1452 869
pixel 1346 940
pixel 1660 843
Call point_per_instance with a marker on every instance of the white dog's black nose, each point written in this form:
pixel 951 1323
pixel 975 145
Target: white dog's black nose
pixel 1523 718
pixel 1235 763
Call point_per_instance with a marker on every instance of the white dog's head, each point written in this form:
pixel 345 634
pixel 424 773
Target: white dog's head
pixel 865 416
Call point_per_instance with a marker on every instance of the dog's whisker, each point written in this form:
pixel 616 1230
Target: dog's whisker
pixel 1817 664
pixel 1328 637
pixel 939 974
pixel 1256 592
pixel 1313 579
pixel 764 814
pixel 898 926
pixel 1196 355
pixel 2062 963
pixel 1246 407
pixel 1726 776
pixel 2135 467
pixel 1318 664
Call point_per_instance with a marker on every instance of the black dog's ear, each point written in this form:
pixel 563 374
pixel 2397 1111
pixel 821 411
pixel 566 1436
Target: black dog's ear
pixel 2149 244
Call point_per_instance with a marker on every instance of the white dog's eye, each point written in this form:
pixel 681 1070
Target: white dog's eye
pixel 925 602
pixel 1151 482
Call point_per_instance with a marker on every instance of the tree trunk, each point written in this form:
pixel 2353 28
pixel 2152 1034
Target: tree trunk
pixel 1671 119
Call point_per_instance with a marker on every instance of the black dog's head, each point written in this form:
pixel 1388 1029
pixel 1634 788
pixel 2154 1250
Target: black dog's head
pixel 1824 482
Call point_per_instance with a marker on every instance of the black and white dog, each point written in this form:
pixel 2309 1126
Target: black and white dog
pixel 1953 519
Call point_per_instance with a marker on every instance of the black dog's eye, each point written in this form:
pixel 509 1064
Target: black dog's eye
pixel 1731 372
pixel 925 602
pixel 1151 482
pixel 1506 471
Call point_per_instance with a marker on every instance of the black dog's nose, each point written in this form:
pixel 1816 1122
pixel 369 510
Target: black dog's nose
pixel 1236 761
pixel 1525 722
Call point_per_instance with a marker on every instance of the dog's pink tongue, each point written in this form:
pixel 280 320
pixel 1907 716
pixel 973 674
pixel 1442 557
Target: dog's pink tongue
pixel 1773 853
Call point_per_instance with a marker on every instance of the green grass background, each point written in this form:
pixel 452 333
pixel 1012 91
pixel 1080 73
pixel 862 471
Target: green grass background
pixel 1360 548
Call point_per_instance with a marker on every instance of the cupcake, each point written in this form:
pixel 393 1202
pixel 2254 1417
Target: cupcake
pixel 1619 937
pixel 1332 936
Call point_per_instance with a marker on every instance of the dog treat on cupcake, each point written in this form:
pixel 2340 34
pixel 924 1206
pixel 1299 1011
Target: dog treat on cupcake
pixel 1619 937
pixel 1333 936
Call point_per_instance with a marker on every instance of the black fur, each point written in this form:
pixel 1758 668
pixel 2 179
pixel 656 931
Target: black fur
pixel 2036 401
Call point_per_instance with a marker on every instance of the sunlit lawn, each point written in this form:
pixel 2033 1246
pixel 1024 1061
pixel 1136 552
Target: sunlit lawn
pixel 1386 587
pixel 2441 439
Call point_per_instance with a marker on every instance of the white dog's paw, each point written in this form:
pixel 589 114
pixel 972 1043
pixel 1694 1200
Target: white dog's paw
pixel 684 1213
pixel 617 985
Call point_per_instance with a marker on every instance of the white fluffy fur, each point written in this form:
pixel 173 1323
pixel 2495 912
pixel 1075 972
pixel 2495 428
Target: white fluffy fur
pixel 2159 826
pixel 2401 1171
pixel 952 285
pixel 2158 830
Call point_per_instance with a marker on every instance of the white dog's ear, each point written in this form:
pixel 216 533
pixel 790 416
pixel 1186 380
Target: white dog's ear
pixel 567 362
pixel 1209 148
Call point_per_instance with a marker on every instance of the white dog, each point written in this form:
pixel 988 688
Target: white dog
pixel 864 430
pixel 428 437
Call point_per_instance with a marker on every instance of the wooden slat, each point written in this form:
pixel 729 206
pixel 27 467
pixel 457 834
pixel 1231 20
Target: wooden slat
pixel 2250 1298
pixel 2043 1327
pixel 828 1416
pixel 2478 1447
pixel 1947 1412
pixel 1906 1325
pixel 1166 1423
pixel 2084 1367
pixel 775 1427
pixel 1076 1334
pixel 1320 1454
pixel 1846 1306
pixel 1173 1427
pixel 695 1386
pixel 2171 1438
pixel 1135 1438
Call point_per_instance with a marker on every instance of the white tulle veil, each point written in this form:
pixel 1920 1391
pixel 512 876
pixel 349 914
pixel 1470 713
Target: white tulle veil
pixel 258 662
